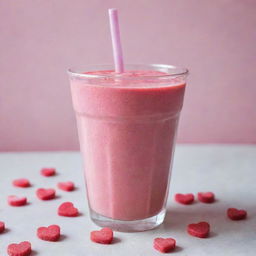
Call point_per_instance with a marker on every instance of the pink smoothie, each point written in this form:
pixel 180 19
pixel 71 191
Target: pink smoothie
pixel 127 133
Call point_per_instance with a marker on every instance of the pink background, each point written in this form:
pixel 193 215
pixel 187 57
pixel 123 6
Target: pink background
pixel 40 39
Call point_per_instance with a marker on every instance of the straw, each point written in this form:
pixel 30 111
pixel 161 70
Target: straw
pixel 116 41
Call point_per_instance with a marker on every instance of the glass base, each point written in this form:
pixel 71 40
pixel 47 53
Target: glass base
pixel 128 226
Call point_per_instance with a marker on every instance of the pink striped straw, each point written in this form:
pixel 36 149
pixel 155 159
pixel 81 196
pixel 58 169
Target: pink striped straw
pixel 116 41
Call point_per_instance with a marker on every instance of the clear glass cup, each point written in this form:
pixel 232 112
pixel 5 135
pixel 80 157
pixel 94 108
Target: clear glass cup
pixel 127 129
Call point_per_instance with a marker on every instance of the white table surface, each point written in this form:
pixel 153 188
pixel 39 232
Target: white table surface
pixel 228 171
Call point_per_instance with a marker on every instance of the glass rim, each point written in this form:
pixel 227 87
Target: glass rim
pixel 177 71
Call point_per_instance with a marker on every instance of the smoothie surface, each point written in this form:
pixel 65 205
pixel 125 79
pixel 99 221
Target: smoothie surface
pixel 133 78
pixel 128 73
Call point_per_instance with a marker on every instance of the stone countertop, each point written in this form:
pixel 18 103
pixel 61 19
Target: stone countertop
pixel 227 170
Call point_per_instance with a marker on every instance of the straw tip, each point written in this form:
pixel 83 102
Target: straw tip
pixel 112 10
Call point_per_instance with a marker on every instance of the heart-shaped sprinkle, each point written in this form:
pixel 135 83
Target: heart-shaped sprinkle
pixel 22 183
pixel 164 244
pixel 66 186
pixel 21 249
pixel 235 214
pixel 200 229
pixel 206 197
pixel 47 172
pixel 67 209
pixel 103 236
pixel 2 226
pixel 16 201
pixel 45 194
pixel 184 198
pixel 51 233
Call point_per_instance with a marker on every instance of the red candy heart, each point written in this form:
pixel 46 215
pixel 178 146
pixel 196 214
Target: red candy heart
pixel 16 201
pixel 103 236
pixel 67 209
pixel 235 214
pixel 48 172
pixel 206 197
pixel 2 227
pixel 45 194
pixel 51 233
pixel 184 198
pixel 21 249
pixel 200 229
pixel 23 183
pixel 164 244
pixel 66 186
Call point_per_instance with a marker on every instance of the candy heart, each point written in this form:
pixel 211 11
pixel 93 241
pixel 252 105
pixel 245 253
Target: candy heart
pixel 23 183
pixel 45 194
pixel 21 249
pixel 200 229
pixel 206 197
pixel 2 227
pixel 51 233
pixel 103 236
pixel 67 209
pixel 66 186
pixel 16 201
pixel 48 172
pixel 184 198
pixel 235 214
pixel 164 244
